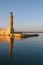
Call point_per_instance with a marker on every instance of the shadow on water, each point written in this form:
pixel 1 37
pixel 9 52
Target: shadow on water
pixel 10 40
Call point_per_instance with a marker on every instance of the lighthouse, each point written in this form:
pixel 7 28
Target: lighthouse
pixel 11 23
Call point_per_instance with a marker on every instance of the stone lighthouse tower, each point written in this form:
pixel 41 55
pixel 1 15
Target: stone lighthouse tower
pixel 11 23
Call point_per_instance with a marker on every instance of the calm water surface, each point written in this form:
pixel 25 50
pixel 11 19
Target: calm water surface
pixel 21 51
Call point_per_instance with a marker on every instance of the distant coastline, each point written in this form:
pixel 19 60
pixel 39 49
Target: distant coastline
pixel 26 32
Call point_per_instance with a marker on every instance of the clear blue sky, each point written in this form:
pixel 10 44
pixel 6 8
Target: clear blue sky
pixel 28 14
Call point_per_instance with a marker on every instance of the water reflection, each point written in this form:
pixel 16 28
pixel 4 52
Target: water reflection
pixel 10 41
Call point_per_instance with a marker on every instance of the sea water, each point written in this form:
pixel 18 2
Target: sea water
pixel 22 51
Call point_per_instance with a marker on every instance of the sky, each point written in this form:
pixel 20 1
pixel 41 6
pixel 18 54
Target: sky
pixel 27 14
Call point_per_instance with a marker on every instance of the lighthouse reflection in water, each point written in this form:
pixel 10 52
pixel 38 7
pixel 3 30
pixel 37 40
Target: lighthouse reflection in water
pixel 8 42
